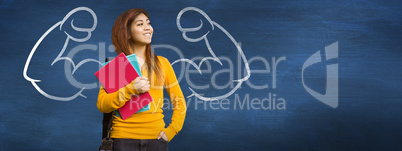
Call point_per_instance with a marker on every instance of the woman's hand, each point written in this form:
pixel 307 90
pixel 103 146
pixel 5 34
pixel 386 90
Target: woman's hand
pixel 163 136
pixel 141 84
pixel 137 86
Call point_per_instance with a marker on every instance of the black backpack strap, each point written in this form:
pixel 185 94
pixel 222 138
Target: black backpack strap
pixel 107 124
pixel 107 118
pixel 107 142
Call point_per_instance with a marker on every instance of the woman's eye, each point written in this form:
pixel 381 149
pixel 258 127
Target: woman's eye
pixel 139 24
pixel 149 23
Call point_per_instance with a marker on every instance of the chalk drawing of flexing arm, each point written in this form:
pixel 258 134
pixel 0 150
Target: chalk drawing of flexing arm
pixel 59 57
pixel 214 58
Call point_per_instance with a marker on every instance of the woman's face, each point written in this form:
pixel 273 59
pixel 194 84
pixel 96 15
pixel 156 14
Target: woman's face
pixel 141 30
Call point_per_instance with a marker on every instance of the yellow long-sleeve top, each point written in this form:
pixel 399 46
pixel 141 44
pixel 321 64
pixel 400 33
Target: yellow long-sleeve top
pixel 148 124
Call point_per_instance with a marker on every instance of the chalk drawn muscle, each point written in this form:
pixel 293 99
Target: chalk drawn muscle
pixel 60 55
pixel 213 56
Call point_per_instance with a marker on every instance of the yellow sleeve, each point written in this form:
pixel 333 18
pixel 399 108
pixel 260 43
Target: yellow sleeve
pixel 110 102
pixel 177 100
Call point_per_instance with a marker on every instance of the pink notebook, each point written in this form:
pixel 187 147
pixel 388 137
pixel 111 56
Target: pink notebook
pixel 117 74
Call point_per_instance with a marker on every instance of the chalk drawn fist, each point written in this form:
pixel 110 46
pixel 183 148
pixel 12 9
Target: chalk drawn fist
pixel 221 46
pixel 72 32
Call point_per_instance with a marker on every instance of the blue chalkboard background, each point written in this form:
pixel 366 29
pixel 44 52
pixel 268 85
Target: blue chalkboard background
pixel 369 36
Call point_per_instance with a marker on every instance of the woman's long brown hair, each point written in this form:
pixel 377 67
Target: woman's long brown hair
pixel 120 33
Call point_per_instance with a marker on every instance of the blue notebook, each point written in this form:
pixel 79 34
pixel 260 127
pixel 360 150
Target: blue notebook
pixel 134 62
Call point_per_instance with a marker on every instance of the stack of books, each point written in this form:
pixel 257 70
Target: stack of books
pixel 118 73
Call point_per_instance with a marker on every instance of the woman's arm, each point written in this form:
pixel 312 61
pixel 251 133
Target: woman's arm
pixel 110 102
pixel 177 100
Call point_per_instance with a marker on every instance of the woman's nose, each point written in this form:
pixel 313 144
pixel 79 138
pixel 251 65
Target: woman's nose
pixel 147 27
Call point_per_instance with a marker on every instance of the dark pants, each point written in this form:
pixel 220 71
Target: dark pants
pixel 140 145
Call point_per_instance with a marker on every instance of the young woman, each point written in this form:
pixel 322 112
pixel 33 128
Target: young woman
pixel 132 33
